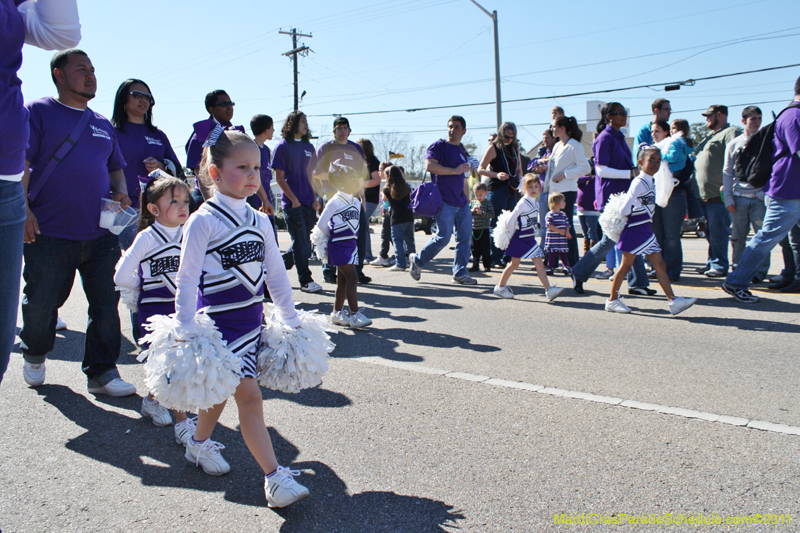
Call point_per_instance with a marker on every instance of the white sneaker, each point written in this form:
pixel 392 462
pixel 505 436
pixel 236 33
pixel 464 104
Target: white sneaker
pixel 340 318
pixel 554 292
pixel 281 489
pixel 157 412
pixel 60 324
pixel 396 268
pixel 185 430
pixel 359 321
pixel 206 455
pixel 617 306
pixel 311 287
pixel 33 374
pixel 115 387
pixel 380 262
pixel 608 274
pixel 502 292
pixel 680 303
pixel 414 270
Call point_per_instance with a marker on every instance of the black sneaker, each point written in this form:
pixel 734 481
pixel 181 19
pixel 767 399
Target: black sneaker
pixel 741 295
pixel 641 291
pixel 363 280
pixel 577 286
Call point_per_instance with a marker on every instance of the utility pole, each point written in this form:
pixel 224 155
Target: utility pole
pixel 493 16
pixel 303 51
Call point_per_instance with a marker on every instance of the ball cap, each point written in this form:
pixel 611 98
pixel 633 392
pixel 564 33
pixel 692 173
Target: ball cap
pixel 338 121
pixel 715 109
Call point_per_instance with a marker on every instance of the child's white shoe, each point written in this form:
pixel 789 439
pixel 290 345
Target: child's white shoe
pixel 281 489
pixel 160 414
pixel 206 455
pixel 617 306
pixel 185 430
pixel 554 292
pixel 502 292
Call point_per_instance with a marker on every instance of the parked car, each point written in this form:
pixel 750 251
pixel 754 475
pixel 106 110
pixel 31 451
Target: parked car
pixel 694 225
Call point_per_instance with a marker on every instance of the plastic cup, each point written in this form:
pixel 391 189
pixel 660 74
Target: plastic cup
pixel 113 217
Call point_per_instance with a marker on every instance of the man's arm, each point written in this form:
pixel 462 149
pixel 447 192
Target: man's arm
pixel 119 188
pixel 433 166
pixel 281 181
pixel 31 224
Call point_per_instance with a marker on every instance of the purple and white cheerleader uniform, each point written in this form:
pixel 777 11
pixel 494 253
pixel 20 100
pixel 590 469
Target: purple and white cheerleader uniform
pixel 226 249
pixel 340 221
pixel 150 267
pixel 523 242
pixel 640 203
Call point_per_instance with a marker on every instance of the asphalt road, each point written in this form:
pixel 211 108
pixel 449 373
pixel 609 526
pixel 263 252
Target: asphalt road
pixel 455 411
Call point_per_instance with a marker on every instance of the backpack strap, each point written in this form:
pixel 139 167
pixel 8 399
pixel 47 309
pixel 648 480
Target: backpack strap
pixel 60 154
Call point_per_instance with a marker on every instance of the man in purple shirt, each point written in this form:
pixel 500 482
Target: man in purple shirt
pixel 220 109
pixel 50 26
pixel 447 163
pixel 782 196
pixel 62 232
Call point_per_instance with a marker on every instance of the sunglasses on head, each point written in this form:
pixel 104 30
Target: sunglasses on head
pixel 139 95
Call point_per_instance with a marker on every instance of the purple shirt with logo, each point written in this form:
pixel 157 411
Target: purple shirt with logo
pixel 785 180
pixel 137 143
pixel 13 115
pixel 611 150
pixel 68 205
pixel 297 160
pixel 451 187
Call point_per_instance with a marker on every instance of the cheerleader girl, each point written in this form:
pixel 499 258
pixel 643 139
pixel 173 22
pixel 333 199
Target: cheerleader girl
pixel 637 237
pixel 522 244
pixel 335 237
pixel 146 272
pixel 228 253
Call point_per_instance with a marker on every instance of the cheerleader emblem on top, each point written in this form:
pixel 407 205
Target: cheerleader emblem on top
pixel 160 267
pixel 520 240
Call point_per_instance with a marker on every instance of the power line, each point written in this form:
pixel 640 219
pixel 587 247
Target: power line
pixel 584 93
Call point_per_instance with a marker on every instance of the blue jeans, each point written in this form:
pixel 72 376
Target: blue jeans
pixel 502 198
pixel 571 197
pixel 12 226
pixel 590 227
pixel 780 218
pixel 448 218
pixel 403 240
pixel 583 269
pixel 49 273
pixel 749 212
pixel 370 210
pixel 299 222
pixel 667 222
pixel 717 234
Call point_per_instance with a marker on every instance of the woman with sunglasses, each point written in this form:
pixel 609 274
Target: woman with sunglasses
pixel 502 164
pixel 144 147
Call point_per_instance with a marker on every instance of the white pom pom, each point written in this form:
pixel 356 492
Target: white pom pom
pixel 502 237
pixel 292 359
pixel 130 297
pixel 320 239
pixel 195 374
pixel 612 220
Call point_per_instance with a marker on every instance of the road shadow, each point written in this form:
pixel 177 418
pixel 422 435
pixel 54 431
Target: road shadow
pixel 313 397
pixel 149 453
pixel 70 346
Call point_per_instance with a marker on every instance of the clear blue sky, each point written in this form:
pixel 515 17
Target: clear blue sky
pixel 401 54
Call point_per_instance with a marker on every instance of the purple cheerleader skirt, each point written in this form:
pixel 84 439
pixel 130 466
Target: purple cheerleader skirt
pixel 344 252
pixel 524 248
pixel 638 240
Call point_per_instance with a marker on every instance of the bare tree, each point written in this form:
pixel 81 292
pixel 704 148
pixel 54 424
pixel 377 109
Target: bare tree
pixel 389 141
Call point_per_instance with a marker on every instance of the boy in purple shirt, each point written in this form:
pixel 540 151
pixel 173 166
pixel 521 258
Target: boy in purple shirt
pixel 782 193
pixel 446 160
pixel 62 232
pixel 293 164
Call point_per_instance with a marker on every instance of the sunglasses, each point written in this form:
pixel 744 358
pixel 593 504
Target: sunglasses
pixel 620 113
pixel 139 95
pixel 508 137
pixel 225 104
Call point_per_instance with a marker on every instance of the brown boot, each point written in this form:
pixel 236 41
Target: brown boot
pixel 586 246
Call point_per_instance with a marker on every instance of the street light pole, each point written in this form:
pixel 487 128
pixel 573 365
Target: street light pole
pixel 493 16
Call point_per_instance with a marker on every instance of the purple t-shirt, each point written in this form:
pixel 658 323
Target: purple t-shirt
pixel 266 178
pixel 785 180
pixel 611 150
pixel 585 200
pixel 137 143
pixel 296 160
pixel 449 155
pixel 350 155
pixel 14 132
pixel 68 205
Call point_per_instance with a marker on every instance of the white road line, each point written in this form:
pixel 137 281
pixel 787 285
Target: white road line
pixel 631 404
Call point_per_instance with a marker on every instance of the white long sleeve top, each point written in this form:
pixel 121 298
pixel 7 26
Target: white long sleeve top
pixel 51 24
pixel 527 213
pixel 204 227
pixel 127 274
pixel 339 212
pixel 567 158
